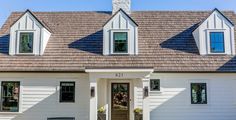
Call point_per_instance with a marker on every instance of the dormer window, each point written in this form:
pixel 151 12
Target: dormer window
pixel 26 42
pixel 120 42
pixel 215 35
pixel 120 35
pixel 28 35
pixel 217 42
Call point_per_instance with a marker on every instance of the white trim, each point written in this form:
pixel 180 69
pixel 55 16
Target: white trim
pixel 112 41
pixel 232 40
pixel 117 70
pixel 208 41
pixel 18 42
pixel 10 113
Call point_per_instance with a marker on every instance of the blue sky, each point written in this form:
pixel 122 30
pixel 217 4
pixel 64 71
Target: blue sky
pixel 8 6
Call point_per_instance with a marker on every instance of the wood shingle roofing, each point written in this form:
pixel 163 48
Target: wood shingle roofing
pixel 165 43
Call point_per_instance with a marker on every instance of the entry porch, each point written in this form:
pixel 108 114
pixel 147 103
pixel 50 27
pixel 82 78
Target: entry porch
pixel 119 92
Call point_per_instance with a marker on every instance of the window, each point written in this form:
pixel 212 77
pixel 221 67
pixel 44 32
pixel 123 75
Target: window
pixel 198 93
pixel 120 42
pixel 67 93
pixel 10 96
pixel 62 118
pixel 155 85
pixel 217 42
pixel 26 42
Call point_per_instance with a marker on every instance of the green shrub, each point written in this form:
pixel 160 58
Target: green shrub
pixel 138 111
pixel 101 110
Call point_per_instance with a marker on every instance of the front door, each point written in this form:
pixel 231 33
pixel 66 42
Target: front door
pixel 120 101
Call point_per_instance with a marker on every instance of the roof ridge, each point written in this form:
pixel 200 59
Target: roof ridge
pixel 62 11
pixel 131 12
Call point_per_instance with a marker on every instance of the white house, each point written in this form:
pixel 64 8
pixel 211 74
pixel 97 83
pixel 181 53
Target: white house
pixel 174 65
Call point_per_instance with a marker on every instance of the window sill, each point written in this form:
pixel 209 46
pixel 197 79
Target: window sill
pixel 61 102
pixel 215 54
pixel 11 113
pixel 25 54
pixel 120 54
pixel 158 92
pixel 199 105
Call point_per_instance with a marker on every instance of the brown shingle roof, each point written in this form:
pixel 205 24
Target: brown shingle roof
pixel 165 43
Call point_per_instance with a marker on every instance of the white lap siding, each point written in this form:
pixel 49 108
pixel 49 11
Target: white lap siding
pixel 174 100
pixel 39 96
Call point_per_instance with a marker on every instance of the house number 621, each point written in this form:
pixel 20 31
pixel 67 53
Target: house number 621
pixel 119 74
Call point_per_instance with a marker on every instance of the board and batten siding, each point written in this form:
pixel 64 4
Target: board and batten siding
pixel 120 22
pixel 28 23
pixel 174 100
pixel 39 96
pixel 216 22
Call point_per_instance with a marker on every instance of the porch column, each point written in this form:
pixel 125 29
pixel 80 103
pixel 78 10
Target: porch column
pixel 93 99
pixel 146 107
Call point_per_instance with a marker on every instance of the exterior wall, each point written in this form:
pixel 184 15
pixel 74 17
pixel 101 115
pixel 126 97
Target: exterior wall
pixel 39 96
pixel 27 23
pixel 215 23
pixel 120 23
pixel 174 101
pixel 45 37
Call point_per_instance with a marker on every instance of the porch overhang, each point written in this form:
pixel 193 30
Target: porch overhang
pixel 150 70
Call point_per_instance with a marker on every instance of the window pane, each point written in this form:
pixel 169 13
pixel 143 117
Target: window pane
pixel 67 93
pixel 26 43
pixel 155 85
pixel 10 96
pixel 120 96
pixel 67 97
pixel 198 93
pixel 120 36
pixel 217 42
pixel 120 42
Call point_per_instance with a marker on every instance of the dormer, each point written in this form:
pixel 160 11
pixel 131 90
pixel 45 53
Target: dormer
pixel 120 35
pixel 28 35
pixel 215 35
pixel 120 32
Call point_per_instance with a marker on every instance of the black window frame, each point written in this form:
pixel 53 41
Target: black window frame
pixel 211 42
pixel 159 86
pixel 206 100
pixel 20 42
pixel 63 101
pixel 114 41
pixel 18 105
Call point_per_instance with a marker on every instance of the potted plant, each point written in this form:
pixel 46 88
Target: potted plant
pixel 138 114
pixel 102 113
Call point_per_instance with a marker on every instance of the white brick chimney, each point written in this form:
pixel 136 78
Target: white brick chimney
pixel 121 4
